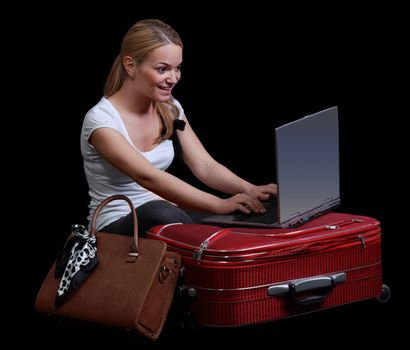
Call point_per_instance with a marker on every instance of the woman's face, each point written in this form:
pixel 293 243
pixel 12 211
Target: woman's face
pixel 160 71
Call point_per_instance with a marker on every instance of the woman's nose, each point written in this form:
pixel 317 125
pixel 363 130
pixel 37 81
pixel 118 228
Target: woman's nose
pixel 172 77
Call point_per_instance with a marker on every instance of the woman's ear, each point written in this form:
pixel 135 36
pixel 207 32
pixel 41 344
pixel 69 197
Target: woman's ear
pixel 129 65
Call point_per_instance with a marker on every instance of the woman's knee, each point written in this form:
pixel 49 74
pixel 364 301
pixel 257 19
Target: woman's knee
pixel 150 214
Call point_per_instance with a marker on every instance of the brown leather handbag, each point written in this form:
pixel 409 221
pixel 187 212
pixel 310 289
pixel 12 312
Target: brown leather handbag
pixel 132 285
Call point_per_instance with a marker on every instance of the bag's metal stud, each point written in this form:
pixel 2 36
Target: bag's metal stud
pixel 163 274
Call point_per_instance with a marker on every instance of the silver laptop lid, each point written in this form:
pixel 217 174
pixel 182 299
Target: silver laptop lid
pixel 308 176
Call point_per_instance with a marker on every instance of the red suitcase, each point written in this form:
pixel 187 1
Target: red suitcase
pixel 241 276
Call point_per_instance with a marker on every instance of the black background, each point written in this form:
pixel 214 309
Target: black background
pixel 245 71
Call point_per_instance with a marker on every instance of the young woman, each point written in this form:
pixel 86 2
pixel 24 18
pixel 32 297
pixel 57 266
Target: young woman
pixel 126 142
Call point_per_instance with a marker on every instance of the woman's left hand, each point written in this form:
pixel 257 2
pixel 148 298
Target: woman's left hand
pixel 262 192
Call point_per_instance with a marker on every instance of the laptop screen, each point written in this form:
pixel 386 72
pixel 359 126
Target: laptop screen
pixel 307 164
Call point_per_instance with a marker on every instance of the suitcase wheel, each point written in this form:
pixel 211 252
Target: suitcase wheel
pixel 385 294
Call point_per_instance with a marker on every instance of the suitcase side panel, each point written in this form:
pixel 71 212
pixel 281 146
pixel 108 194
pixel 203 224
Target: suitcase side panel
pixel 254 274
pixel 248 302
pixel 230 314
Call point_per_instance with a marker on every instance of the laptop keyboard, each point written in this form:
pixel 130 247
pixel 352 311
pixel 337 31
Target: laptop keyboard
pixel 270 216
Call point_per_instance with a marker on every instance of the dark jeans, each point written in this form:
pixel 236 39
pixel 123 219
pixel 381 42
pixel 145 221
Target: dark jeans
pixel 158 212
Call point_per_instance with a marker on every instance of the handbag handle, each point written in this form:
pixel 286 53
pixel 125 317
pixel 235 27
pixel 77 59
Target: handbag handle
pixel 134 215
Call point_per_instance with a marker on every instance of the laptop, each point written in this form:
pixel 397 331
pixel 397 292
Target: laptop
pixel 307 167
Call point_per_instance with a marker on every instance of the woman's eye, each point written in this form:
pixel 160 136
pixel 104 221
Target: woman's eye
pixel 161 70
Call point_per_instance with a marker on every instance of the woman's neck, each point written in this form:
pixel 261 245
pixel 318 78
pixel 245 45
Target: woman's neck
pixel 131 102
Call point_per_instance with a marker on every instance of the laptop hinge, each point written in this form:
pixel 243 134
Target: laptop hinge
pixel 297 219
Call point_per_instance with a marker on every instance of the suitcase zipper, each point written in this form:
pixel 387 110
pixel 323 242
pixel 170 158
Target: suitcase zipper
pixel 198 253
pixel 282 247
pixel 285 249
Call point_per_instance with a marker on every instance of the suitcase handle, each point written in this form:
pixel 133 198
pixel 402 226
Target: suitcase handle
pixel 310 290
pixel 295 233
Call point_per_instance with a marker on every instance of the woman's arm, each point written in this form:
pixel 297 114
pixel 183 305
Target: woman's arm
pixel 112 146
pixel 214 174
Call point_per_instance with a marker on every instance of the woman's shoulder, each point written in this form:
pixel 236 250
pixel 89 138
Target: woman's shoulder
pixel 102 113
pixel 178 105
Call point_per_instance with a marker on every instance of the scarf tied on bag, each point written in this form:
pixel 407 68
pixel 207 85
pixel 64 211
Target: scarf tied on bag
pixel 75 263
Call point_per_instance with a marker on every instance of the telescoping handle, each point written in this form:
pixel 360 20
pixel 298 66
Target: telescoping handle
pixel 134 248
pixel 304 231
pixel 310 290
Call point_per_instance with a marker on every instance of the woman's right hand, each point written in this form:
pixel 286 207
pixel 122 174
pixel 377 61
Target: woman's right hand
pixel 240 202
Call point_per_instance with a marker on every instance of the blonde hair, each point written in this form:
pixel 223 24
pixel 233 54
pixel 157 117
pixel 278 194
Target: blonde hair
pixel 139 41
